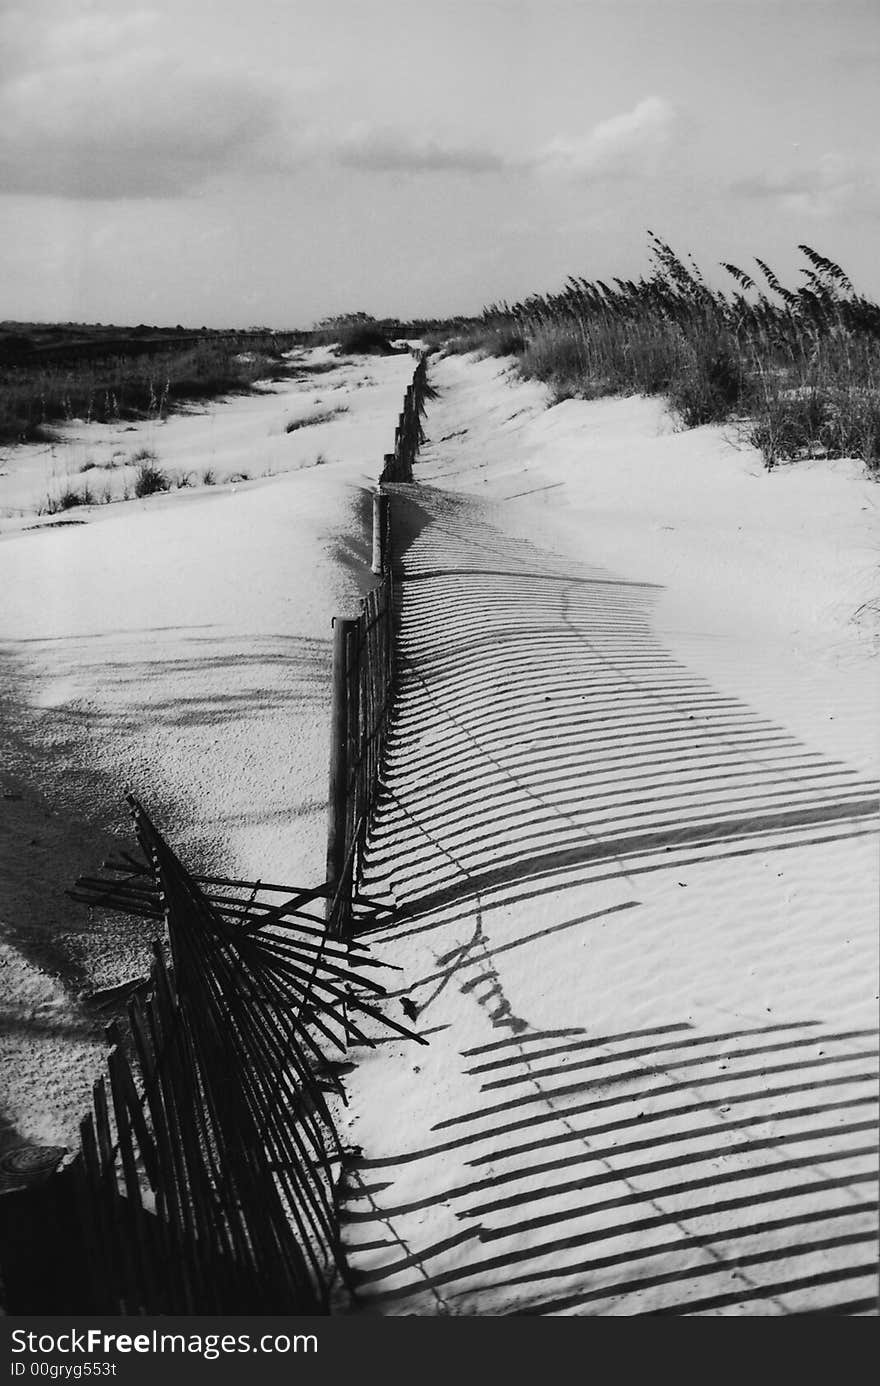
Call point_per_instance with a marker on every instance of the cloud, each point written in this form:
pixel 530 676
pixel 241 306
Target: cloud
pixel 622 146
pixel 98 106
pixel 389 151
pixel 98 103
pixel 831 185
pixel 97 34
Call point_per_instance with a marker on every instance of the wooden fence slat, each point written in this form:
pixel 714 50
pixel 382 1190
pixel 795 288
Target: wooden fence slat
pixel 147 1284
pixel 166 1185
pixel 165 1039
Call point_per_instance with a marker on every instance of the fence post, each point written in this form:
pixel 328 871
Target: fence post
pixel 339 762
pixel 380 530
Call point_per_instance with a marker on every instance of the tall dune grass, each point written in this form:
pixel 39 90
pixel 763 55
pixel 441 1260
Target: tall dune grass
pixel 800 368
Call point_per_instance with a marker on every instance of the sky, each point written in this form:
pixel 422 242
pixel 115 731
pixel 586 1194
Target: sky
pixel 274 162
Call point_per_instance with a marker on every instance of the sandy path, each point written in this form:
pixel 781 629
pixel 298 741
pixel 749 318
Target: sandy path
pixel 637 916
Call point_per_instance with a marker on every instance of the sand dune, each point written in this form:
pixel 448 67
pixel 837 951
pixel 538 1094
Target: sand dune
pixel 636 908
pixel 628 824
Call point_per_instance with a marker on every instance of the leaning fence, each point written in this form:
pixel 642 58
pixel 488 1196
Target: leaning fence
pixel 234 1134
pixel 206 1177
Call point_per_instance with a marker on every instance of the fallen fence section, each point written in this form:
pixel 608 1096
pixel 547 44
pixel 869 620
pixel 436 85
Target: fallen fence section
pixel 207 1171
pixel 363 678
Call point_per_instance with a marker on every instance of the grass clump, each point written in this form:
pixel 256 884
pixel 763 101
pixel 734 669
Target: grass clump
pixel 709 382
pixel 321 416
pixel 150 480
pixel 798 368
pixel 67 499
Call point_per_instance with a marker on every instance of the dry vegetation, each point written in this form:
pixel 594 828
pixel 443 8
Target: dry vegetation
pixel 53 375
pixel 799 367
pixel 318 416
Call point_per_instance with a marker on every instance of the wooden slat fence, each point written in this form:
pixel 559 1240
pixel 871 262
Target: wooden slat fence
pixel 408 436
pixel 363 670
pixel 207 1171
pixel 363 678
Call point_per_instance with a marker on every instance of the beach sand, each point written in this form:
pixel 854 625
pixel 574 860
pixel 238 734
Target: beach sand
pixel 628 824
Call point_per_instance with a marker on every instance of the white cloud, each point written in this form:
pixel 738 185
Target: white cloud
pixel 829 186
pixel 384 150
pixel 621 146
pixel 98 103
pixel 100 106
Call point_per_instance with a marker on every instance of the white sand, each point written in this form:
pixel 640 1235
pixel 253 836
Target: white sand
pixel 177 646
pixel 629 829
pixel 627 825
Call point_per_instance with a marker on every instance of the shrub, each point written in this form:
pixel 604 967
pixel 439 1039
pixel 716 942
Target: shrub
pixel 150 480
pixel 709 385
pixel 364 339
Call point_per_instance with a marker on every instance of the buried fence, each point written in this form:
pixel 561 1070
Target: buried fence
pixel 208 1166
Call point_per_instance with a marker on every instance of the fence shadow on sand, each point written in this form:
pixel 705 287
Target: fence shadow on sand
pixel 544 742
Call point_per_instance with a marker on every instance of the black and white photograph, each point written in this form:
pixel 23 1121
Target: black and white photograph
pixel 439 678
